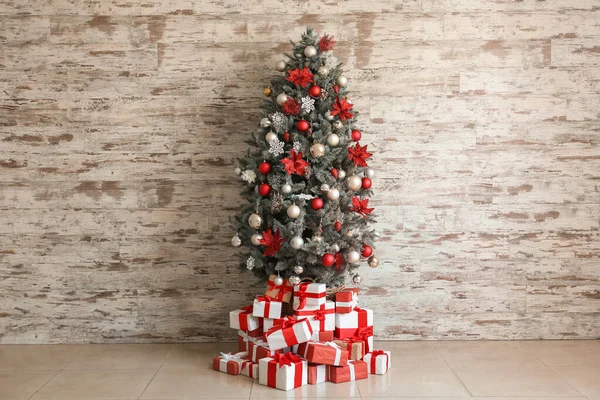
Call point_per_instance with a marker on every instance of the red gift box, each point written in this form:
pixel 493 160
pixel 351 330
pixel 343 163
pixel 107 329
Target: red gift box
pixel 229 363
pixel 258 350
pixel 346 300
pixel 354 347
pixel 283 371
pixel 317 373
pixel 327 353
pixel 250 336
pixel 353 371
pixel 249 369
pixel 282 292
pixel 291 332
pixel 323 336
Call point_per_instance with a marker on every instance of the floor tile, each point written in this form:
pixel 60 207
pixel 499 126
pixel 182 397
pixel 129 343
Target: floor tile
pixel 96 385
pixel 38 357
pixel 413 381
pixel 121 356
pixel 567 353
pixel 196 355
pixel 485 352
pixel 201 383
pixel 531 398
pixel 512 380
pixel 327 390
pixel 585 379
pixel 19 385
pixel 413 353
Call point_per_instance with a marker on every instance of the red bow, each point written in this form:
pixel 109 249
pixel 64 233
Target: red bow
pixel 285 323
pixel 302 297
pixel 319 315
pixel 249 308
pixel 264 298
pixel 365 332
pixel 376 353
pixel 286 358
pixel 283 289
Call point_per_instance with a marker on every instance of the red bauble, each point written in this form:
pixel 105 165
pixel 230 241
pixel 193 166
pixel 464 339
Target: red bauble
pixel 317 203
pixel 302 125
pixel 366 183
pixel 264 167
pixel 356 135
pixel 264 189
pixel 314 91
pixel 367 251
pixel 286 137
pixel 328 259
pixel 337 226
pixel 336 89
pixel 334 172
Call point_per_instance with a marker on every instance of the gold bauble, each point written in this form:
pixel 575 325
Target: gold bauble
pixel 267 91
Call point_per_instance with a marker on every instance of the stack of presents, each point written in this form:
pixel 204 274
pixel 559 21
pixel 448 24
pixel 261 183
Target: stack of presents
pixel 324 341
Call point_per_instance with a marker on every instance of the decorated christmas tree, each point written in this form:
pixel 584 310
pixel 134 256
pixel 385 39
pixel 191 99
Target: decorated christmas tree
pixel 307 175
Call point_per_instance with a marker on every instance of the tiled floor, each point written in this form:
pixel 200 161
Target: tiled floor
pixel 527 370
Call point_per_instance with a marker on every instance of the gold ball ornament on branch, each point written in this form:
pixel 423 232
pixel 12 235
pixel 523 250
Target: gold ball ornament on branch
pixel 333 194
pixel 310 51
pixel 323 71
pixel 373 262
pixel 341 81
pixel 354 183
pixel 255 239
pixel 282 98
pixel 280 66
pixel 254 220
pixel 293 211
pixel 267 91
pixel 333 140
pixel 269 137
pixel 317 150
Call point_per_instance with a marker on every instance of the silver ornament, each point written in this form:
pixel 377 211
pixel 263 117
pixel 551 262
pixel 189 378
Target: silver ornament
pixel 236 241
pixel 269 137
pixel 280 66
pixel 341 81
pixel 297 242
pixel 282 98
pixel 310 51
pixel 295 280
pixel 370 173
pixel 335 248
pixel 278 281
pixel 323 71
pixel 293 211
pixel 286 188
pixel 333 140
pixel 254 220
pixel 317 150
pixel 325 188
pixel 338 125
pixel 357 279
pixel 354 182
pixel 373 262
pixel 328 116
pixel 333 194
pixel 342 174
pixel 265 122
pixel 298 269
pixel 255 239
pixel 353 257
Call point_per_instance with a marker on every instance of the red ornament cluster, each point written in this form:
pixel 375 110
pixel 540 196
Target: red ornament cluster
pixel 342 108
pixel 300 77
pixel 326 43
pixel 359 155
pixel 295 164
pixel 361 206
pixel 272 242
pixel 291 107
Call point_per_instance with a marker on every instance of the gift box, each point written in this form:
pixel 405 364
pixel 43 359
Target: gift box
pixel 322 318
pixel 245 337
pixel 327 353
pixel 322 336
pixel 243 319
pixel 378 361
pixel 317 373
pixel 259 349
pixel 282 292
pixel 269 323
pixel 249 368
pixel 290 332
pixel 283 371
pixel 357 323
pixel 366 335
pixel 346 300
pixel 229 363
pixel 309 294
pixel 354 347
pixel 265 307
pixel 353 371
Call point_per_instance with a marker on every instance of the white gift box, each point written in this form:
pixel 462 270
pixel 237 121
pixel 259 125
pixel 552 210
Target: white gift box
pixel 249 369
pixel 266 308
pixel 281 377
pixel 380 364
pixel 243 319
pixel 289 335
pixel 269 323
pixel 321 318
pixel 311 294
pixel 354 319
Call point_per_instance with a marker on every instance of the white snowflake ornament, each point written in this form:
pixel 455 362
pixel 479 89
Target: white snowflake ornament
pixel 249 176
pixel 279 121
pixel 250 263
pixel 308 104
pixel 276 147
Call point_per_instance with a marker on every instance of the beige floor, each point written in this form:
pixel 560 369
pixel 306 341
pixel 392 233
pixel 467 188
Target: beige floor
pixel 526 370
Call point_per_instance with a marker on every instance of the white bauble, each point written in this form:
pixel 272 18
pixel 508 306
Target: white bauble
pixel 325 188
pixel 328 116
pixel 278 281
pixel 236 241
pixel 280 66
pixel 370 173
pixel 354 182
pixel 297 242
pixel 270 137
pixel 282 98
pixel 342 174
pixel 335 248
pixel 353 257
pixel 265 122
pixel 286 189
pixel 323 71
pixel 255 239
pixel 254 220
pixel 341 81
pixel 317 150
pixel 333 194
pixel 333 140
pixel 310 51
pixel 293 211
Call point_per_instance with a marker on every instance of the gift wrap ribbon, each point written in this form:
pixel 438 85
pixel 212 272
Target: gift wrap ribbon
pixel 338 352
pixel 374 355
pixel 286 328
pixel 283 289
pixel 243 317
pixel 267 301
pixel 302 295
pixel 352 372
pixel 228 362
pixel 280 360
pixel 318 315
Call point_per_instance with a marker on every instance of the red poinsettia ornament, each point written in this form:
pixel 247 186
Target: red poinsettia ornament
pixel 339 261
pixel 342 107
pixel 272 242
pixel 295 164
pixel 291 107
pixel 300 77
pixel 361 206
pixel 359 154
pixel 326 43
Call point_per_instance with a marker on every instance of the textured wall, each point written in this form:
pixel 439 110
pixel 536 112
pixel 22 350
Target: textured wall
pixel 120 120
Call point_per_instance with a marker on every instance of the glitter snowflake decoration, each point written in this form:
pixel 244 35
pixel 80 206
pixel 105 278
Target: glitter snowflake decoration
pixel 249 176
pixel 276 180
pixel 279 121
pixel 331 61
pixel 305 196
pixel 276 203
pixel 308 104
pixel 276 147
pixel 298 147
pixel 250 263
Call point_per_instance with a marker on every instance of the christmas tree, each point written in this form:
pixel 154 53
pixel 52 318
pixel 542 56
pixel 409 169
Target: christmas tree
pixel 308 179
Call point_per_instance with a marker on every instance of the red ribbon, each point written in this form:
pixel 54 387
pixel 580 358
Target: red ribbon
pixel 374 356
pixel 280 360
pixel 301 293
pixel 243 317
pixel 285 323
pixel 363 317
pixel 267 301
pixel 286 359
pixel 263 298
pixel 320 316
pixel 283 289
